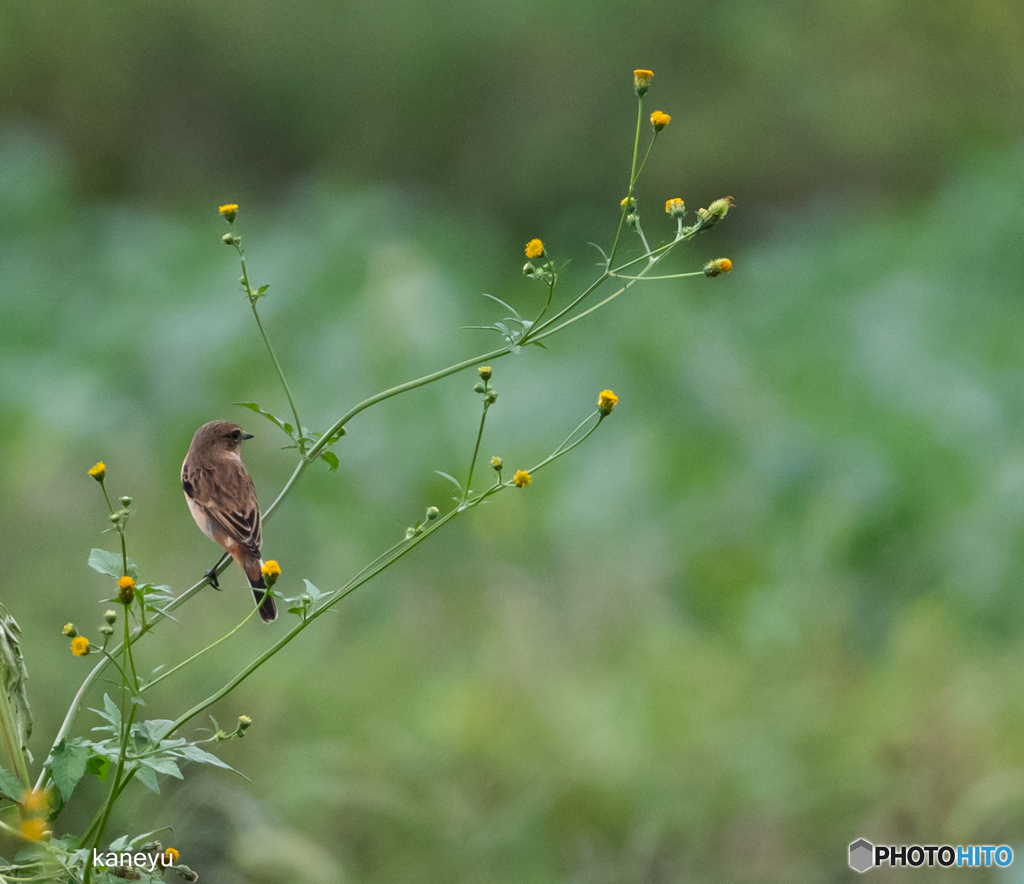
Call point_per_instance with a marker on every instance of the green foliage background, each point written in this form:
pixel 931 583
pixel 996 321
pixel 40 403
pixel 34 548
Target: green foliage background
pixel 773 606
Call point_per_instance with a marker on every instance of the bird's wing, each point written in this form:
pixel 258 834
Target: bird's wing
pixel 229 499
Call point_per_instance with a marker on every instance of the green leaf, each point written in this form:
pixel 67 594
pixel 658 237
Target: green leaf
pixel 99 765
pixel 201 756
pixel 314 593
pixel 10 785
pixel 503 304
pixel 451 479
pixel 276 421
pixel 157 728
pixel 147 776
pixel 111 563
pixel 331 458
pixel 110 712
pixel 162 764
pixel 67 764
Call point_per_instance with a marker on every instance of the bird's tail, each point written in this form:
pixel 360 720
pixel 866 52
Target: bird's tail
pixel 264 600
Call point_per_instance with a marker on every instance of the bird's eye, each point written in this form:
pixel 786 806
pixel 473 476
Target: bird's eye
pixel 236 434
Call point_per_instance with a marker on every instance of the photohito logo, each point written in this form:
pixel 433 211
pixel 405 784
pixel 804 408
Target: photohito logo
pixel 864 855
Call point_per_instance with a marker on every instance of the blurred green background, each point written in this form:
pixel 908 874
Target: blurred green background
pixel 774 605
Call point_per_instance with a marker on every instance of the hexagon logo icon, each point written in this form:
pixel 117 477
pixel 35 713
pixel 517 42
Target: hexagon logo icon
pixel 862 855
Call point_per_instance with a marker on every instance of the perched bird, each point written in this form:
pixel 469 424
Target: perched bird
pixel 222 500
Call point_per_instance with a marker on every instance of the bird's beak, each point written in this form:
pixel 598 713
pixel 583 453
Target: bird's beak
pixel 247 436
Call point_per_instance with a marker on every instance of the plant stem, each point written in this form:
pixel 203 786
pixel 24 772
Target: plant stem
pixel 476 449
pixel 253 297
pixel 198 654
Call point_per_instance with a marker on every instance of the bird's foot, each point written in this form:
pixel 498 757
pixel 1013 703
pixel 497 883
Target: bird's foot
pixel 212 577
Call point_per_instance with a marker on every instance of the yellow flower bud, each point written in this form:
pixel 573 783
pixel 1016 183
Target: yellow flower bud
pixel 271 571
pixel 660 120
pixel 642 81
pixel 126 590
pixel 719 265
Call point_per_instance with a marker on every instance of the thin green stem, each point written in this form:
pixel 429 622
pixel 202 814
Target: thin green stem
pixel 632 178
pixel 643 162
pixel 536 330
pixel 198 654
pixel 476 450
pixel 106 497
pixel 253 297
pixel 669 276
pixel 112 795
pixel 551 294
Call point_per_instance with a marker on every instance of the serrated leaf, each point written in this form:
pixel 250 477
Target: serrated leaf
pixel 451 479
pixel 157 728
pixel 10 785
pixel 201 756
pixel 147 776
pixel 110 563
pixel 68 762
pixel 331 458
pixel 162 764
pixel 111 712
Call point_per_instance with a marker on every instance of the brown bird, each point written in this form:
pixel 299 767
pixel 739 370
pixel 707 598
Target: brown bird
pixel 222 500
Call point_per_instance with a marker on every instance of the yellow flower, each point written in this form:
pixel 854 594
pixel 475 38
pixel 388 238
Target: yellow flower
pixel 126 589
pixel 69 630
pixel 521 478
pixel 642 80
pixel 485 372
pixel 80 646
pixel 719 265
pixel 628 203
pixel 35 800
pixel 534 249
pixel 606 401
pixel 98 471
pixel 34 829
pixel 172 855
pixel 229 211
pixel 271 571
pixel 660 120
pixel 675 207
